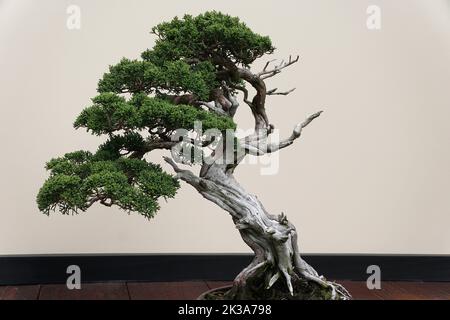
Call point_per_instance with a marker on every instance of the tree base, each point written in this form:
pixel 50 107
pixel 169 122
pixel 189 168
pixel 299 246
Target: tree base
pixel 303 290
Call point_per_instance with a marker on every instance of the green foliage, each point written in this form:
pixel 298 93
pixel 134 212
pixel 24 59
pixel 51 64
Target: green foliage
pixel 120 145
pixel 182 62
pixel 207 34
pixel 184 58
pixel 78 180
pixel 111 113
pixel 133 76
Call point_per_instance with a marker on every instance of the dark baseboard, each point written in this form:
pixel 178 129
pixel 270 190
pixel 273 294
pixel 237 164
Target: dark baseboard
pixel 44 269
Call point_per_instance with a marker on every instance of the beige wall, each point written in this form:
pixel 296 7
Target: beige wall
pixel 371 176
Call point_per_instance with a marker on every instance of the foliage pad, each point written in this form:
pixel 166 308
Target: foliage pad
pixel 79 179
pixel 112 112
pixel 208 35
pixel 136 110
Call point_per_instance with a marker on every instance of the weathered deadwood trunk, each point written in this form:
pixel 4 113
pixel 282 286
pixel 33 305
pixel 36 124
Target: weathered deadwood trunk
pixel 277 270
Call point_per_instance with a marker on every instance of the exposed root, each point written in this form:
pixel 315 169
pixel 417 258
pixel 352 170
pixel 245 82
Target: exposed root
pixel 272 280
pixel 288 281
pixel 302 289
pixel 258 266
pixel 277 271
pixel 267 281
pixel 337 291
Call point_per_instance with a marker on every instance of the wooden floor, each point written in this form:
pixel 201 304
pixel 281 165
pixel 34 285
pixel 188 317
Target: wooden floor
pixel 191 290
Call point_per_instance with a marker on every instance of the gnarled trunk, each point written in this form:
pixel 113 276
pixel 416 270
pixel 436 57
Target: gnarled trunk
pixel 277 270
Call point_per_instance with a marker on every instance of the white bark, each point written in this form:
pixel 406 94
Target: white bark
pixel 272 238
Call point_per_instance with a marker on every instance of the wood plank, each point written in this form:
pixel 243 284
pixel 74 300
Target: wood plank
pixel 191 290
pixel 94 291
pixel 359 290
pixel 444 286
pixel 395 291
pixel 2 290
pixel 20 293
pixel 390 290
pixel 218 284
pixel 167 290
pixel 427 290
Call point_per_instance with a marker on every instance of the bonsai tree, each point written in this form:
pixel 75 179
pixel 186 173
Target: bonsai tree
pixel 197 71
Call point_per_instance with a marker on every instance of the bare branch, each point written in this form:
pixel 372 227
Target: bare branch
pixel 151 145
pixel 184 175
pixel 309 120
pixel 102 199
pixel 258 146
pixel 245 92
pixel 175 167
pixel 273 147
pixel 91 201
pixel 215 107
pixel 268 64
pixel 257 104
pixel 274 92
pixel 265 74
pixel 106 203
